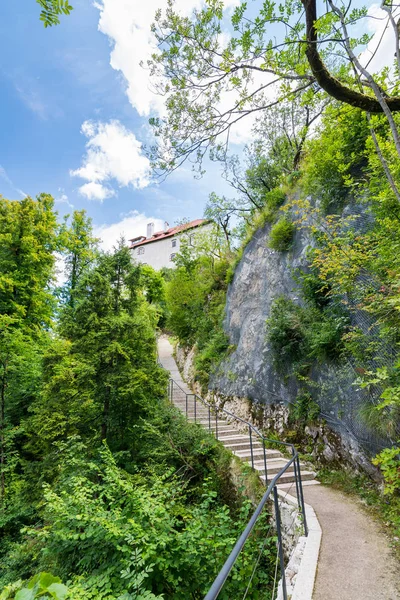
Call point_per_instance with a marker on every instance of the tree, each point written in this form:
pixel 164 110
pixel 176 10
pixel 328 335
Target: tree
pixel 112 332
pixel 211 84
pixel 79 248
pixel 28 237
pixel 52 9
pixel 27 240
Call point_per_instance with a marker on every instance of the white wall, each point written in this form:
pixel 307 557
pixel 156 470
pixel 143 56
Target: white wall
pixel 157 254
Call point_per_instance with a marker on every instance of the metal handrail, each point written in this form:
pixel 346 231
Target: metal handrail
pixel 230 561
pixel 271 487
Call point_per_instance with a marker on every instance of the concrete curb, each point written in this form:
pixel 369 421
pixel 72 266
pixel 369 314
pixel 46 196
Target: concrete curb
pixel 306 575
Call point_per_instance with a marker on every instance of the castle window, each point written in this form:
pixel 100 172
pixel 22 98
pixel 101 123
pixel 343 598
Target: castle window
pixel 173 243
pixel 172 256
pixel 140 250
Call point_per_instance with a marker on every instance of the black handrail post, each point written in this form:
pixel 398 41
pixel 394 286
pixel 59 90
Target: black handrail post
pixel 251 447
pixel 195 396
pixel 265 463
pixel 303 509
pixel 296 478
pixel 280 547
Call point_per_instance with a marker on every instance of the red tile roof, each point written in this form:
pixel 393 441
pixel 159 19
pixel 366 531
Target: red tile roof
pixel 160 235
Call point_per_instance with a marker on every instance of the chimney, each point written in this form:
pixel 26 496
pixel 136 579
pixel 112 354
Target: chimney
pixel 166 226
pixel 150 230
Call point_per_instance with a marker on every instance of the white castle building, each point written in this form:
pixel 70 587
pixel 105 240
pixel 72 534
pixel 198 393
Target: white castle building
pixel 159 249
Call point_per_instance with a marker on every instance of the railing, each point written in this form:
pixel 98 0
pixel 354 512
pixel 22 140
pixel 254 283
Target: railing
pixel 190 404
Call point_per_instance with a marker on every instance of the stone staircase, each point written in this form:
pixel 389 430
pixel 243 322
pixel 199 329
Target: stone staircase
pixel 238 442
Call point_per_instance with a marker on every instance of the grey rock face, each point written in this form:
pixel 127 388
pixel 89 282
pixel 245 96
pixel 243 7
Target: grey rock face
pixel 249 372
pixel 261 276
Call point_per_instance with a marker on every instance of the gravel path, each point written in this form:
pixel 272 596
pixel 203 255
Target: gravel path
pixel 355 561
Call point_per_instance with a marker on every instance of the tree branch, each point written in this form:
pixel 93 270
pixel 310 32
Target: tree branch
pixel 329 83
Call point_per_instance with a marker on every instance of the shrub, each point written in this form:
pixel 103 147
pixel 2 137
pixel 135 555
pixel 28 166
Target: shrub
pixel 285 331
pixel 210 356
pixel 304 408
pixel 275 198
pixel 299 333
pixel 389 462
pixel 281 236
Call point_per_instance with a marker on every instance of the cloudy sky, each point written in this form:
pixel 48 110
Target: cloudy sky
pixel 74 108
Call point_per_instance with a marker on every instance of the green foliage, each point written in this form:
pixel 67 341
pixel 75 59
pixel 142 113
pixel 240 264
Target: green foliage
pixel 79 249
pixel 195 300
pixel 281 235
pixel 43 585
pixel 274 198
pixel 285 330
pixel 28 234
pixel 389 462
pixel 153 284
pixel 336 158
pixel 110 533
pixel 298 334
pixel 52 9
pixel 304 409
pixel 196 43
pixel 102 482
pixel 210 355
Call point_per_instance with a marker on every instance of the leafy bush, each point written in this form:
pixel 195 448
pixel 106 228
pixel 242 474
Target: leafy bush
pixel 111 533
pixel 210 356
pixel 304 408
pixel 285 330
pixel 336 157
pixel 281 235
pixel 43 585
pixel 300 333
pixel 275 198
pixel 389 462
pixel 196 295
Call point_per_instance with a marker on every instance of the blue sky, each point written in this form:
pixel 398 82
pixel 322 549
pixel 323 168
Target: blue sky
pixel 52 82
pixel 74 107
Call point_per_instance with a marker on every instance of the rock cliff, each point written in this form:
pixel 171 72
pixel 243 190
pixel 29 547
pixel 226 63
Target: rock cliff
pixel 249 374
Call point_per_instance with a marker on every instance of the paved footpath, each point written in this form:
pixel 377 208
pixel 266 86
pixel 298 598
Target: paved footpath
pixel 355 561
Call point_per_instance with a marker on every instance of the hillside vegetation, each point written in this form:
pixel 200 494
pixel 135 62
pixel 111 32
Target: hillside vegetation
pixel 340 196
pixel 105 491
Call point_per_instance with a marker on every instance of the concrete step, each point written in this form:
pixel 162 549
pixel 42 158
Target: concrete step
pixel 275 465
pixel 226 433
pixel 240 444
pixel 259 453
pixel 286 486
pixel 221 423
pixel 290 478
pixel 201 414
pixel 221 427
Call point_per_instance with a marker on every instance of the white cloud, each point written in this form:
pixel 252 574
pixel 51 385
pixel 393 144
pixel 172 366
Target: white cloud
pixel 63 199
pixel 113 152
pixel 379 53
pixel 5 177
pixel 128 25
pixel 131 225
pixel 96 191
